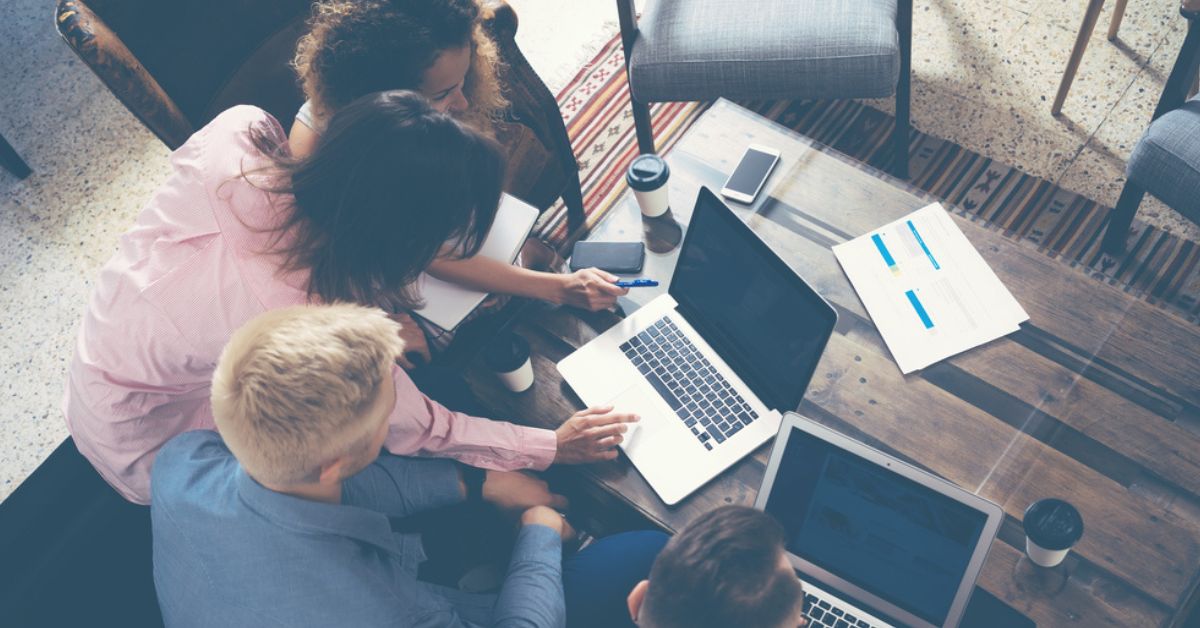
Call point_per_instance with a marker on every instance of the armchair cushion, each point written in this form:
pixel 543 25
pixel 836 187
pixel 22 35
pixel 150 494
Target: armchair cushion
pixel 765 49
pixel 1166 162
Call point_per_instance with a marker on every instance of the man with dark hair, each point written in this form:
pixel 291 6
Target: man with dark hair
pixel 727 568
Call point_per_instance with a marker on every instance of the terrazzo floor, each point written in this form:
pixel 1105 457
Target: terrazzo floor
pixel 985 72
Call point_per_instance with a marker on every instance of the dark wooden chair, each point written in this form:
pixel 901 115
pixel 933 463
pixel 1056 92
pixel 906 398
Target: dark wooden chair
pixel 1166 160
pixel 696 50
pixel 177 64
pixel 75 553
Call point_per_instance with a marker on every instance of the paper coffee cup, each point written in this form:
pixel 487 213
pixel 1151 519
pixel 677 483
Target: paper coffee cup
pixel 519 380
pixel 508 357
pixel 1052 527
pixel 1042 556
pixel 647 177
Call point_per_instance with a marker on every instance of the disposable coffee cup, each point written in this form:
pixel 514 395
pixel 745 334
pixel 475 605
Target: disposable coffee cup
pixel 647 177
pixel 508 357
pixel 1052 527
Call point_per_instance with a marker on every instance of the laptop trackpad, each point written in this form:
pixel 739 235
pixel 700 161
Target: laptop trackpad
pixel 644 402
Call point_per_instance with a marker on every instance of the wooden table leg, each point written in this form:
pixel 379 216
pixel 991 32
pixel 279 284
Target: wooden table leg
pixel 1090 16
pixel 12 161
pixel 1115 24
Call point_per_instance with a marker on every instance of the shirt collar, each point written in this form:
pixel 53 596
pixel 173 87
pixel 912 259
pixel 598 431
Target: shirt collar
pixel 306 516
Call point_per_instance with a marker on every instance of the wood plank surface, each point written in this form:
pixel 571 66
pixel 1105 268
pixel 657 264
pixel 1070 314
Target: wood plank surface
pixel 1095 399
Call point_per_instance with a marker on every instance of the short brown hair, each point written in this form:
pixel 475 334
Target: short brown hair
pixel 722 570
pixel 292 387
pixel 355 47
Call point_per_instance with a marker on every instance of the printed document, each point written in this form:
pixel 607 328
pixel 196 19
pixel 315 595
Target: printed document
pixel 447 304
pixel 927 288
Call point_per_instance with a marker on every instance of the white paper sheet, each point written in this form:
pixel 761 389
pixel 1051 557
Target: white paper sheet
pixel 447 304
pixel 927 289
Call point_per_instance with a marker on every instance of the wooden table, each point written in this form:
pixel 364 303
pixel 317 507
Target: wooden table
pixel 1096 398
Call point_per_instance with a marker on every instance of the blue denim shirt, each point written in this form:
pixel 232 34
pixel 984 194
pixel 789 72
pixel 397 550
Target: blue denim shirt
pixel 230 552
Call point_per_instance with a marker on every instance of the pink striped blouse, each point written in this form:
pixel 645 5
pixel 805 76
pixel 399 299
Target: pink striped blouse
pixel 190 272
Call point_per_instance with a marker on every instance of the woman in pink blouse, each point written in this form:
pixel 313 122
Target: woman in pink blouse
pixel 241 227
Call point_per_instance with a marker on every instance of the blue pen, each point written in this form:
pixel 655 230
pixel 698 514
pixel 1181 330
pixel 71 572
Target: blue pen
pixel 636 283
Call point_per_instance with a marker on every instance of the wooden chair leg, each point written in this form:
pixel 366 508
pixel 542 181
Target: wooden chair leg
pixel 11 161
pixel 1090 16
pixel 641 124
pixel 1118 15
pixel 901 133
pixel 1121 218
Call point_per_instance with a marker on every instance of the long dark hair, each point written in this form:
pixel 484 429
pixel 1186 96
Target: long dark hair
pixel 391 183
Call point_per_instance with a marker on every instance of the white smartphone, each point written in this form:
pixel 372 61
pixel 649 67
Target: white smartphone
pixel 751 173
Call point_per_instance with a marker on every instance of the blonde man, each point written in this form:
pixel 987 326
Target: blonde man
pixel 285 522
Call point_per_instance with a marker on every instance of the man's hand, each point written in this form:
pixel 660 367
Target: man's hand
pixel 590 289
pixel 591 435
pixel 540 515
pixel 514 492
pixel 415 347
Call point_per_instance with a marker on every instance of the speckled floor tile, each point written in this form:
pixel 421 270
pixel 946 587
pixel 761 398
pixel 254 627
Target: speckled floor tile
pixel 989 130
pixel 1128 119
pixel 1140 30
pixel 959 46
pixel 1097 171
pixel 1163 59
pixel 1034 67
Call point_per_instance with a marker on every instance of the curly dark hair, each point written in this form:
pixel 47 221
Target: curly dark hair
pixel 356 47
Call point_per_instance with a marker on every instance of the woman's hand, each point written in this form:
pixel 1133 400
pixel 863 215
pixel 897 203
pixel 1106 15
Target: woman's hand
pixel 416 349
pixel 514 492
pixel 591 435
pixel 589 289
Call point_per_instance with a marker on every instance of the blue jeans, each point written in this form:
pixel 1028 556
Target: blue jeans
pixel 598 579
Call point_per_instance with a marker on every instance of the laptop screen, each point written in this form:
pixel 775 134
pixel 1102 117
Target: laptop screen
pixel 876 529
pixel 759 315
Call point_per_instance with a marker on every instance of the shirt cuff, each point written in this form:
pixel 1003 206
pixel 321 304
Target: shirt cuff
pixel 538 543
pixel 541 446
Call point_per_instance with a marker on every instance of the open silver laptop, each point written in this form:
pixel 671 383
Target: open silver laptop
pixel 710 365
pixel 876 541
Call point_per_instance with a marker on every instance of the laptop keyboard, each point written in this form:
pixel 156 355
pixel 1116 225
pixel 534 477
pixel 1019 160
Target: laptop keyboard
pixel 821 612
pixel 685 379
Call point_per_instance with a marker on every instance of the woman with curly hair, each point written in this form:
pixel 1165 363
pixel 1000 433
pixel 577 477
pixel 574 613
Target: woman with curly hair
pixel 437 48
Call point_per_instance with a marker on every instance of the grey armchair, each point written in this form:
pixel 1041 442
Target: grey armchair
pixel 769 49
pixel 1166 161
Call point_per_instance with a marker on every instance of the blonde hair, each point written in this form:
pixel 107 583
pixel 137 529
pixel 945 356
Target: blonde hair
pixel 355 47
pixel 292 388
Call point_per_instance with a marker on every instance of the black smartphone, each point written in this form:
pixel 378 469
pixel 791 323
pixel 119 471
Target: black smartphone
pixel 615 257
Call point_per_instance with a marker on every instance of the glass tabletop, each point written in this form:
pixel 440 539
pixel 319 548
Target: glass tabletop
pixel 1094 400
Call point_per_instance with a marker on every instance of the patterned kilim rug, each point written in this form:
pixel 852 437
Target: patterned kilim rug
pixel 1159 267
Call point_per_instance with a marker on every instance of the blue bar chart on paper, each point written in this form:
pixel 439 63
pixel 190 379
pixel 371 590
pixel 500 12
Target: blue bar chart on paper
pixel 928 290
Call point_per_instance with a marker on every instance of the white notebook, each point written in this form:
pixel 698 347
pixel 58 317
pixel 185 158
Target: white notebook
pixel 447 304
